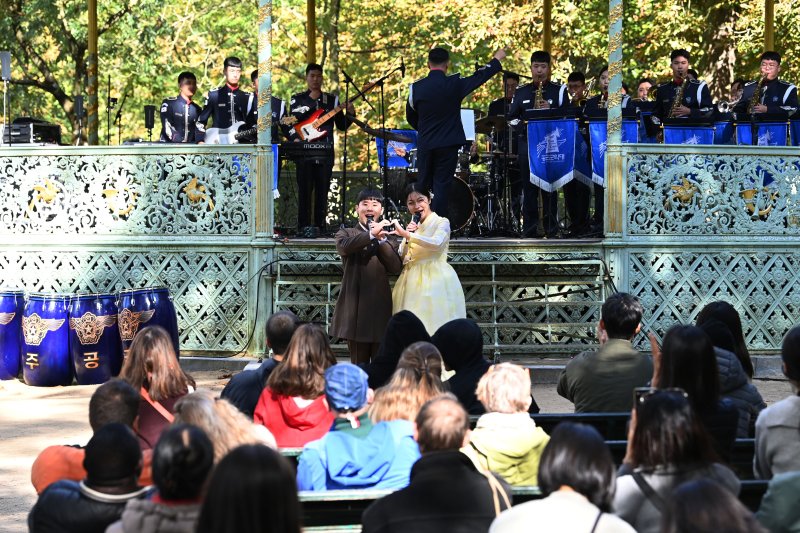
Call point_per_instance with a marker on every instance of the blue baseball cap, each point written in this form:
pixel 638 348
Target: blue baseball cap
pixel 346 387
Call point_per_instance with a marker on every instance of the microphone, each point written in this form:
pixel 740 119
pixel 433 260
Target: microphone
pixel 402 67
pixel 416 217
pixel 370 218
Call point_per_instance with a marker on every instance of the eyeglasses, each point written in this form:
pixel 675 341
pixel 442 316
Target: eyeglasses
pixel 642 394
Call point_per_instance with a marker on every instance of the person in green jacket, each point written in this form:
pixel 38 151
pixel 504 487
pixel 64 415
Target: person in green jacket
pixel 506 440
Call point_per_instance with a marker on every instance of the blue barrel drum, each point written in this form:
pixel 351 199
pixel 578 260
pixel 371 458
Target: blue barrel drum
pixel 45 357
pixel 12 305
pixel 139 308
pixel 94 344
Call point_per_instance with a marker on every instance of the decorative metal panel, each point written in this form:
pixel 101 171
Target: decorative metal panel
pixel 686 195
pixel 170 194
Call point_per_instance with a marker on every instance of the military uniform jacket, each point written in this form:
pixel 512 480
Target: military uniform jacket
pixel 365 300
pixel 696 97
pixel 555 94
pixel 225 106
pixel 179 121
pixel 434 105
pixel 278 109
pixel 302 105
pixel 779 96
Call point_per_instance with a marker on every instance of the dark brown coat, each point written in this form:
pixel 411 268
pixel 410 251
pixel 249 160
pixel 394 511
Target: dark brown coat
pixel 365 300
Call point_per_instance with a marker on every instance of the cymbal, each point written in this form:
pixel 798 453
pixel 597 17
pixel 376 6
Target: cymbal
pixel 485 124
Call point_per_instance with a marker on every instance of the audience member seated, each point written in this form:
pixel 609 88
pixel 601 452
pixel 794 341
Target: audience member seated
pixel 244 389
pixel 602 381
pixel 292 405
pixel 704 505
pixel 222 423
pixel 113 463
pixel 576 477
pixel 447 492
pixel 667 445
pixel 152 368
pixel 734 385
pixel 778 426
pixel 349 458
pixel 725 313
pixel 779 512
pixel 403 330
pixel 251 490
pixel 687 361
pixel 460 342
pixel 416 380
pixel 506 440
pixel 182 461
pixel 114 401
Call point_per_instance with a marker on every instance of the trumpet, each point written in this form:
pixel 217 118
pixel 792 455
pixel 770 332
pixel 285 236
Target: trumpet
pixel 724 106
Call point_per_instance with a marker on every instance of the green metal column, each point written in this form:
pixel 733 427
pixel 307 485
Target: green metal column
pixel 614 177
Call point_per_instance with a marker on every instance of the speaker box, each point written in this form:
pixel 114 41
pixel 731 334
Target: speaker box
pixel 5 66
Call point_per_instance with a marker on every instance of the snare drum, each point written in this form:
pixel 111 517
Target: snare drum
pixel 94 343
pixel 139 308
pixel 12 305
pixel 46 350
pixel 461 206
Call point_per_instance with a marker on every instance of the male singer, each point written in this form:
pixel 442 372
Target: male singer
pixel 368 254
pixel 434 110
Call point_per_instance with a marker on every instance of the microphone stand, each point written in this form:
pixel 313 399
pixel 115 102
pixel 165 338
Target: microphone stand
pixel 110 104
pixel 6 130
pixel 347 81
pixel 118 117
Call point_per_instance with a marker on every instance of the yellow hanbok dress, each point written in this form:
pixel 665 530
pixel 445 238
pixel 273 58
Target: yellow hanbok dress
pixel 428 286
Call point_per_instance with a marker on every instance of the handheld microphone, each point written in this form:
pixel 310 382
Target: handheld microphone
pixel 416 217
pixel 402 67
pixel 370 218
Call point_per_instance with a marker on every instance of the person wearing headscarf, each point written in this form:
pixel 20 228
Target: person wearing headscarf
pixel 403 330
pixel 461 344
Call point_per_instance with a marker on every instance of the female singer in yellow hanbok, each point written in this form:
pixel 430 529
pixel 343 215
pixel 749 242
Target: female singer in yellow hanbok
pixel 427 286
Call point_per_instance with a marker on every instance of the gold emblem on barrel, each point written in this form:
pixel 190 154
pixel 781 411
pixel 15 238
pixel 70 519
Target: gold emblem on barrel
pixel 35 328
pixel 129 322
pixel 90 327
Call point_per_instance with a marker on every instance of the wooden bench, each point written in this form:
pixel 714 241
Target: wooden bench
pixel 612 426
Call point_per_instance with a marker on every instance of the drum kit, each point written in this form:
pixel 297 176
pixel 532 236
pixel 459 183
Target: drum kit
pixel 55 337
pixel 480 201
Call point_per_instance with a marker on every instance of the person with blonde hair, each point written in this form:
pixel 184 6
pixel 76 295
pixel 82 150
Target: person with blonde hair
pixel 416 380
pixel 293 405
pixel 225 425
pixel 152 368
pixel 506 440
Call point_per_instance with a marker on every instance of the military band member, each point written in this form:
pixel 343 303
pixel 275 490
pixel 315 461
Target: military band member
pixel 776 95
pixel 696 101
pixel 643 90
pixel 278 110
pixel 229 104
pixel 434 110
pixel 179 113
pixel 314 175
pixel 499 108
pixel 576 193
pixel 554 96
pixel 576 85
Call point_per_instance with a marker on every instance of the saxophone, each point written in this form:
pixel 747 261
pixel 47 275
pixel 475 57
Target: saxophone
pixel 538 97
pixel 754 100
pixel 677 102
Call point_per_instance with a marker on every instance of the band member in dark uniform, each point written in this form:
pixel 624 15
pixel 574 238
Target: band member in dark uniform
pixel 179 113
pixel 776 96
pixel 228 104
pixel 499 108
pixel 554 95
pixel 434 110
pixel 278 110
pixel 314 176
pixel 696 101
pixel 576 193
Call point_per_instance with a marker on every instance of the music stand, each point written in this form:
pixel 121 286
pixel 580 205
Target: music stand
pixel 149 120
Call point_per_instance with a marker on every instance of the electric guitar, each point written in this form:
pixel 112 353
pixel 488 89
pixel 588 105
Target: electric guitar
pixel 229 135
pixel 308 129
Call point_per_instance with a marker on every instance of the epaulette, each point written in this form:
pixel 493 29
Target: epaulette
pixel 215 89
pixel 784 82
pixel 523 86
pixel 750 82
pixel 171 98
pixel 665 83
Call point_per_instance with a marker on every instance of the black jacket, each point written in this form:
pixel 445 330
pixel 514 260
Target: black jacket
pixel 244 389
pixel 524 98
pixel 224 106
pixel 695 96
pixel 69 506
pixel 302 106
pixel 446 493
pixel 434 105
pixel 179 121
pixel 779 96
